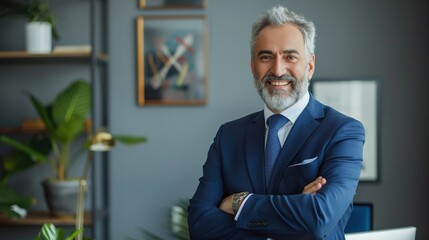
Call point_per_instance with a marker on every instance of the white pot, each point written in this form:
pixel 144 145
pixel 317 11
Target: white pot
pixel 39 37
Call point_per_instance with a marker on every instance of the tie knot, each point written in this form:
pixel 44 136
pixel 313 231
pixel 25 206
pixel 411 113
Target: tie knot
pixel 276 121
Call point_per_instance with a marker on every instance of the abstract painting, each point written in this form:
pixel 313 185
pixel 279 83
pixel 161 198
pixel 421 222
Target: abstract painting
pixel 172 60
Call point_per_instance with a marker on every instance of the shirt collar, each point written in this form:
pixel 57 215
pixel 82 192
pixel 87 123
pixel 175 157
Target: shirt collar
pixel 292 113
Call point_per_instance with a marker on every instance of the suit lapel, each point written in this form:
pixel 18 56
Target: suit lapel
pixel 255 139
pixel 300 132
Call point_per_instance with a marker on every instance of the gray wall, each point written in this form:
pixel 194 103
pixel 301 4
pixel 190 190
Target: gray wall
pixel 384 39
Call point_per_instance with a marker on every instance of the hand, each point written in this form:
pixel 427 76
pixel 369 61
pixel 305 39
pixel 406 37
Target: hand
pixel 226 204
pixel 314 186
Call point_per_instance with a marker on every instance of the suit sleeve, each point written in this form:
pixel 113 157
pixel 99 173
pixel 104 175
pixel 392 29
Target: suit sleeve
pixel 316 214
pixel 206 221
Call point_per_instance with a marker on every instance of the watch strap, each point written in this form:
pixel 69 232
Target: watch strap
pixel 237 199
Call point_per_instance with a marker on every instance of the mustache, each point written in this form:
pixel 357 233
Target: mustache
pixel 284 77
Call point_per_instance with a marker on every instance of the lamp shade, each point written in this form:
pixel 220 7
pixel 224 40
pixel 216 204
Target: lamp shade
pixel 101 141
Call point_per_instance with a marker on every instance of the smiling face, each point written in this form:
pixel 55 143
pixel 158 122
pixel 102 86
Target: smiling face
pixel 280 66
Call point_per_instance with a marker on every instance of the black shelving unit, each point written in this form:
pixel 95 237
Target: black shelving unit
pixel 96 217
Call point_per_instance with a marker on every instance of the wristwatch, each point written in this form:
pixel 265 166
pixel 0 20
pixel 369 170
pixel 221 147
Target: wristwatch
pixel 237 199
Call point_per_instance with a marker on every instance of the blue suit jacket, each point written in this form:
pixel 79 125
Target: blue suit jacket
pixel 322 142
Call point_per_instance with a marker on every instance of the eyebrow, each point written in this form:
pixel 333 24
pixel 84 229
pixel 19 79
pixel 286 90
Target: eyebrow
pixel 284 52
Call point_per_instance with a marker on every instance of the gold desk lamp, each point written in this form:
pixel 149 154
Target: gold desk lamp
pixel 100 142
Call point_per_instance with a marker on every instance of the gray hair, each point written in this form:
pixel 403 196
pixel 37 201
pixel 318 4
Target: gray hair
pixel 279 16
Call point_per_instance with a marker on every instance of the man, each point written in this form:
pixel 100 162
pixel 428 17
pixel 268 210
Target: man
pixel 306 191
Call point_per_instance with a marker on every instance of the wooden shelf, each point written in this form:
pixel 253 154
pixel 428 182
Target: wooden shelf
pixel 36 126
pixel 35 218
pixel 16 56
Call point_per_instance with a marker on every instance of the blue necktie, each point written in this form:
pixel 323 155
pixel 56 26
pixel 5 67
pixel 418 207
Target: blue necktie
pixel 273 146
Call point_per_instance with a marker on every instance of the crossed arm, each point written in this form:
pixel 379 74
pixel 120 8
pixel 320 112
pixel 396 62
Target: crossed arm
pixel 221 220
pixel 311 188
pixel 317 212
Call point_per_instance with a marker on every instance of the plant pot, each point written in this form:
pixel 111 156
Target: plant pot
pixel 38 37
pixel 61 196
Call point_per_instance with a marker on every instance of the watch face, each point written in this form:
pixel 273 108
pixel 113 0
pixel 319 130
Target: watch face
pixel 241 194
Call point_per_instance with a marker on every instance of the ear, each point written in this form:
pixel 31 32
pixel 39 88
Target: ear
pixel 311 66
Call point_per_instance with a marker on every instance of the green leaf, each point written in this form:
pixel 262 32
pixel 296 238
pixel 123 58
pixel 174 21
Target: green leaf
pixel 43 112
pixel 74 234
pixel 66 132
pixel 35 155
pixel 49 232
pixel 9 197
pixel 74 100
pixel 181 228
pixel 16 161
pixel 130 140
pixel 70 110
pixel 60 234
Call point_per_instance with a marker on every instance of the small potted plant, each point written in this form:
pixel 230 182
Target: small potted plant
pixel 64 120
pixel 40 27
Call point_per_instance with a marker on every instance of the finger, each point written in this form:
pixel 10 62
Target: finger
pixel 314 186
pixel 323 181
pixel 320 180
pixel 313 189
pixel 308 186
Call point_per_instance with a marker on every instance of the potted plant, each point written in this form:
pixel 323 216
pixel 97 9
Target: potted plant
pixel 64 120
pixel 40 27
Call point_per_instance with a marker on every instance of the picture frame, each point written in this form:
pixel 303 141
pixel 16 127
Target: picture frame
pixel 172 60
pixel 173 4
pixel 357 98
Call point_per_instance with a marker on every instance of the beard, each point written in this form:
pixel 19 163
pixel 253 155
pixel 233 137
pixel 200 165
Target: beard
pixel 279 99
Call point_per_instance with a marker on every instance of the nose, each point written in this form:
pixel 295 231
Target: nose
pixel 279 66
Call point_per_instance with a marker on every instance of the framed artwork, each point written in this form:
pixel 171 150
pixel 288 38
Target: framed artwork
pixel 360 100
pixel 172 60
pixel 173 4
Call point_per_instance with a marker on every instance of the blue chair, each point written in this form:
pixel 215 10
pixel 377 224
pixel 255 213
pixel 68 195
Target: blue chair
pixel 361 218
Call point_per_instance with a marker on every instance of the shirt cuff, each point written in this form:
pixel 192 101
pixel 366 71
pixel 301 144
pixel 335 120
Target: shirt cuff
pixel 241 206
